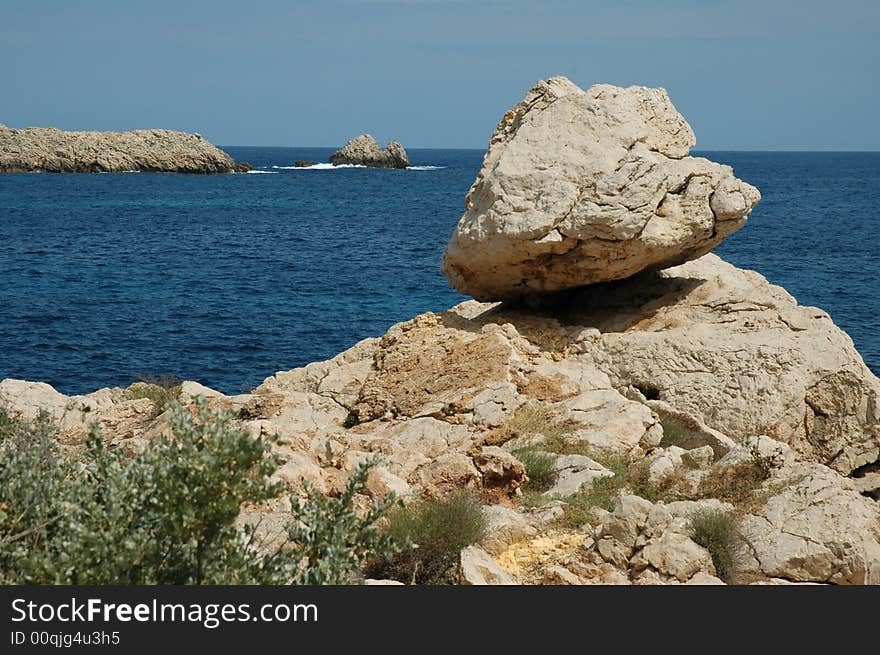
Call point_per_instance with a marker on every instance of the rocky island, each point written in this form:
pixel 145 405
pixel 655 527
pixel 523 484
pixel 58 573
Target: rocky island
pixel 692 422
pixel 49 150
pixel 364 151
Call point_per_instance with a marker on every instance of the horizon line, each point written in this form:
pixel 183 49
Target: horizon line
pixel 804 149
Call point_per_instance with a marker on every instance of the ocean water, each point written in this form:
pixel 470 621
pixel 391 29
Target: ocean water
pixel 227 279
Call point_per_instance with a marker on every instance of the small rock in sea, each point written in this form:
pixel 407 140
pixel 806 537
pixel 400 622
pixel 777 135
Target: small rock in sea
pixel 364 151
pixel 304 163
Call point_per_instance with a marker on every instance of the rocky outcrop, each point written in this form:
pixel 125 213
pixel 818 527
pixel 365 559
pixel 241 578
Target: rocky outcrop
pixel 816 528
pixel 579 187
pixel 364 151
pixel 704 354
pixel 724 345
pixel 49 150
pixel 304 163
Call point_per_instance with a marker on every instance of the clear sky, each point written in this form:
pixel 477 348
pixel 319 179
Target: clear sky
pixel 747 74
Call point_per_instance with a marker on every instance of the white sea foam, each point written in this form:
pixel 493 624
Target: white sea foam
pixel 318 167
pixel 255 172
pixel 333 167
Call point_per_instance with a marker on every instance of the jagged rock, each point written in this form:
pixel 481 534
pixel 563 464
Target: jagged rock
pixel 26 400
pixel 698 458
pixel 304 163
pixel 448 472
pixel 298 468
pixel 663 463
pixel 190 390
pixel 817 528
pixel 504 526
pixel 774 453
pixel 606 421
pixel 426 368
pixel 704 579
pixel 364 151
pixel 478 568
pixel 694 433
pixel 559 575
pixel 579 187
pixel 499 468
pixel 381 482
pixel 675 555
pixel 41 149
pixel 575 471
pixel 723 345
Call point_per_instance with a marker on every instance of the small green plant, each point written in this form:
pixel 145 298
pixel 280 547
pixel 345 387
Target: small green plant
pixel 601 493
pixel 162 391
pixel 738 483
pixel 540 469
pixel 716 531
pixel 673 433
pixel 431 534
pixel 7 423
pixel 535 417
pixel 630 476
pixel 762 464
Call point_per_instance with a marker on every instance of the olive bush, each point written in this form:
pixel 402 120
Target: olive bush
pixel 168 515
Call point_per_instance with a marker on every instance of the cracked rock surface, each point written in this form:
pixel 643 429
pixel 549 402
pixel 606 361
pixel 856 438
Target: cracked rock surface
pixel 586 186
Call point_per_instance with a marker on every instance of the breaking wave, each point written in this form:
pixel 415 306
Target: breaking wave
pixel 318 167
pixel 333 167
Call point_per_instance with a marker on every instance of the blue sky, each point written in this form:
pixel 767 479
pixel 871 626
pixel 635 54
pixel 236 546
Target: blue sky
pixel 747 74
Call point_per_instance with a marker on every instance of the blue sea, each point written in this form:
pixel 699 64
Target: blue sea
pixel 227 279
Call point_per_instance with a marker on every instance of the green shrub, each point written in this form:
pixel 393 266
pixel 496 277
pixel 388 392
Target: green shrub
pixel 431 534
pixel 166 516
pixel 162 390
pixel 329 540
pixel 540 469
pixel 716 531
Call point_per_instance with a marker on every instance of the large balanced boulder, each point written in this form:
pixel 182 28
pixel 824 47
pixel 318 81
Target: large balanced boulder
pixel 43 149
pixel 579 187
pixel 364 151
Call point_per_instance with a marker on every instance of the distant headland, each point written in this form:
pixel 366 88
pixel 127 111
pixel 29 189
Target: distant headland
pixel 50 150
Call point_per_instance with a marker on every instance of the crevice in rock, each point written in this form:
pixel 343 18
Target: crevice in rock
pixel 649 391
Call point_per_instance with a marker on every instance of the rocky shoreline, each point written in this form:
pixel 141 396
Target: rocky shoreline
pixel 664 400
pixel 687 379
pixel 49 150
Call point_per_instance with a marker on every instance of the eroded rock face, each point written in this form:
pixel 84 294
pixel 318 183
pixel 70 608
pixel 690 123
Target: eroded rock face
pixel 364 151
pixel 39 149
pixel 816 529
pixel 579 187
pixel 726 346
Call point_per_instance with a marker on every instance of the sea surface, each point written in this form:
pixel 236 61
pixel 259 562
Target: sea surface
pixel 227 279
